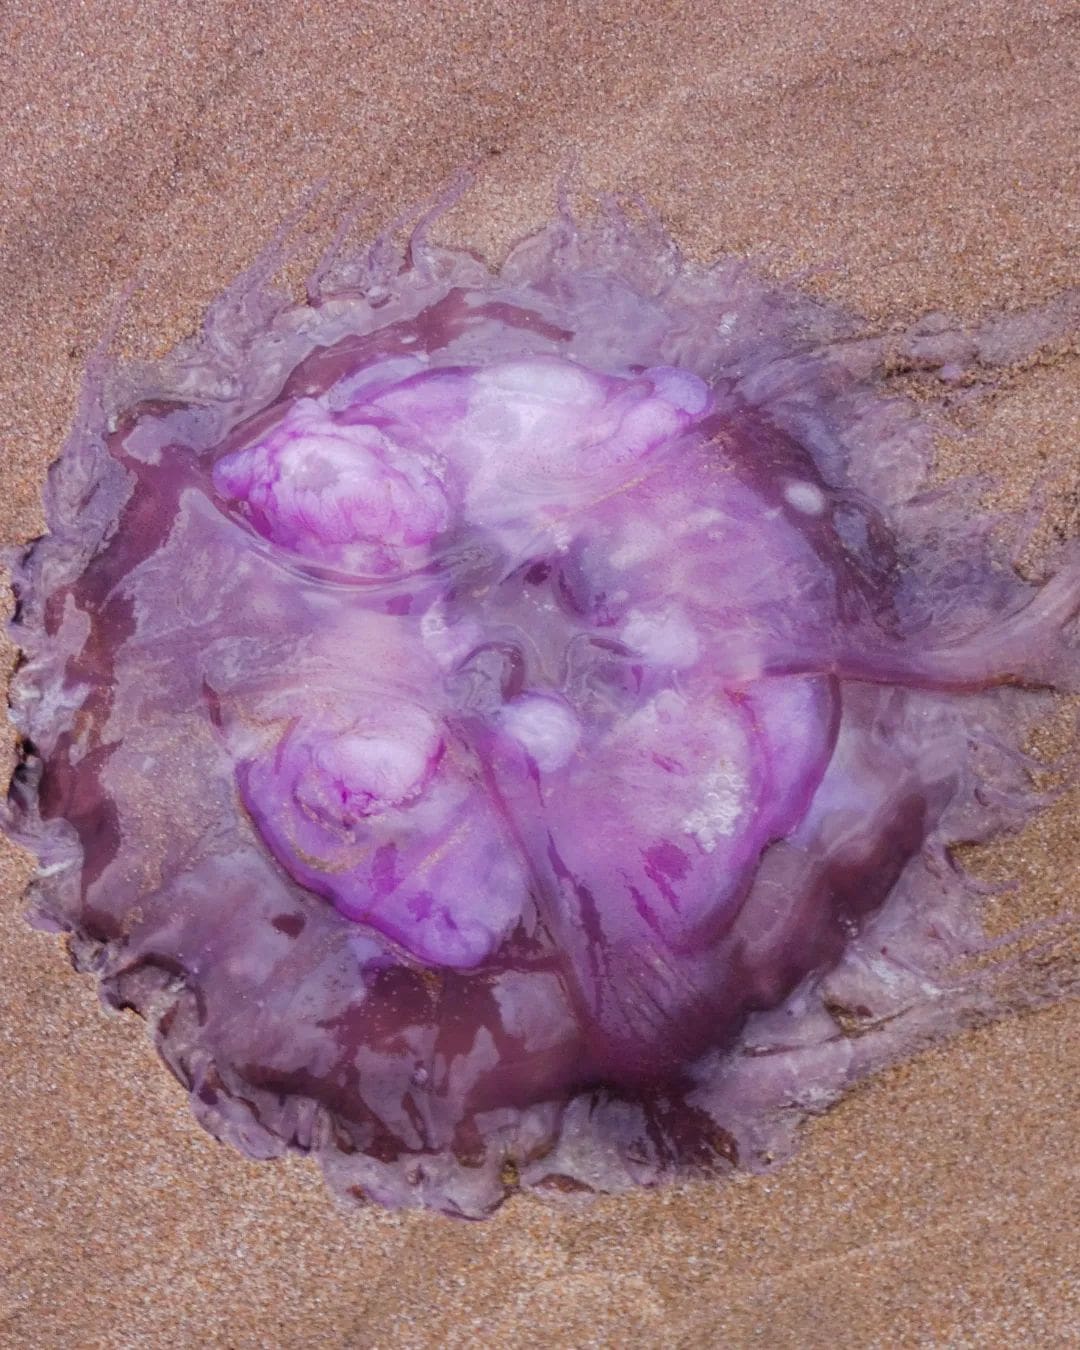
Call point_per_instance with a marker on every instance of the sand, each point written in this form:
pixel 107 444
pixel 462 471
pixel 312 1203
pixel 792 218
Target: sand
pixel 914 156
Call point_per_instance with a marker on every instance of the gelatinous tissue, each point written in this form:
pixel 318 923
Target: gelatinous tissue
pixel 508 728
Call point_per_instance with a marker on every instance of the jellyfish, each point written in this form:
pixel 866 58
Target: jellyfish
pixel 510 728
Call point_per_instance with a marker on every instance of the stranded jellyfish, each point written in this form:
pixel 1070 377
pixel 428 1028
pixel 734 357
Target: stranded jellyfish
pixel 510 728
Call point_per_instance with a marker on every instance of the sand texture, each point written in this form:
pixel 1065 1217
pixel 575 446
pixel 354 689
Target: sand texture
pixel 914 156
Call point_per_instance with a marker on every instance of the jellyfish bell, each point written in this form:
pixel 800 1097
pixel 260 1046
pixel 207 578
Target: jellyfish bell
pixel 486 719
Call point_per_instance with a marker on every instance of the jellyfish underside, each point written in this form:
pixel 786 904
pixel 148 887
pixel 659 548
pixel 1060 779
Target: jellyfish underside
pixel 491 743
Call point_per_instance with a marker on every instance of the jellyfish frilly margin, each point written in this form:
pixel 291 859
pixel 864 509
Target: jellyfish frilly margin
pixel 911 972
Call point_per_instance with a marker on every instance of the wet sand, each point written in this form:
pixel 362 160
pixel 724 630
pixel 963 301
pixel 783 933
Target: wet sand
pixel 912 156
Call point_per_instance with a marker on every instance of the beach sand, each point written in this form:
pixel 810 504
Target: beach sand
pixel 913 156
